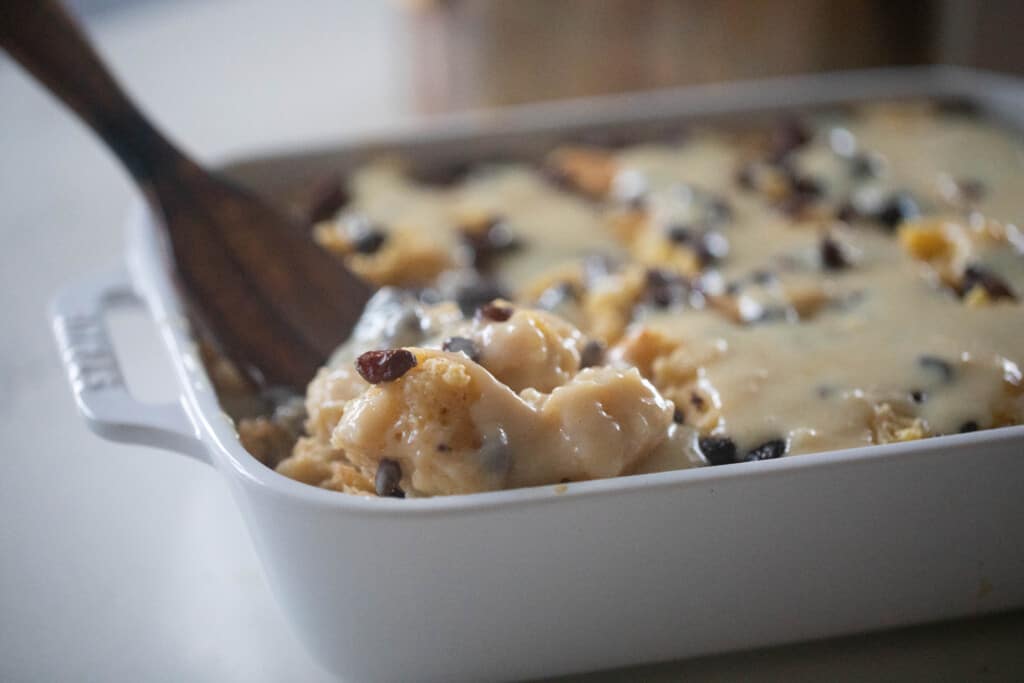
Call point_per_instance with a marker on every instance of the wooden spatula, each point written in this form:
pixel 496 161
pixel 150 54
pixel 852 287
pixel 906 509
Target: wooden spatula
pixel 275 301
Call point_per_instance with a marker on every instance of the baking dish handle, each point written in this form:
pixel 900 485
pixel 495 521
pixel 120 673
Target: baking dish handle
pixel 95 375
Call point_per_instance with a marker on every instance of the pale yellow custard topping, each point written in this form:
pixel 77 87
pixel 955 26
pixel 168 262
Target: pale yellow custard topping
pixel 854 279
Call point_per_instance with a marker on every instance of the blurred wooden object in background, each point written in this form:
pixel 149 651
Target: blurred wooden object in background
pixel 478 53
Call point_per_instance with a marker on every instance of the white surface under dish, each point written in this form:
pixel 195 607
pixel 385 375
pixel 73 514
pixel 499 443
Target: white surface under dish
pixel 606 573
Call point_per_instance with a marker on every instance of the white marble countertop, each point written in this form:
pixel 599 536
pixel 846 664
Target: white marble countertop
pixel 121 563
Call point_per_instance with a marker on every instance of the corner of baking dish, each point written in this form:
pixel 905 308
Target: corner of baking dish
pixel 150 273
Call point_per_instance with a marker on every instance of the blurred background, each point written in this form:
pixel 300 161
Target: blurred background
pixel 477 53
pixel 122 564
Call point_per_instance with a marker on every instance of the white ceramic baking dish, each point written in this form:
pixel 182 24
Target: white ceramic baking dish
pixel 599 574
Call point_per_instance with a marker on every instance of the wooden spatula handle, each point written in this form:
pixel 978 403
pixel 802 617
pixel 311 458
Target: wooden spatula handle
pixel 41 36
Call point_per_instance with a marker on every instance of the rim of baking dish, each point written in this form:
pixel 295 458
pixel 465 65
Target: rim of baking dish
pixel 150 271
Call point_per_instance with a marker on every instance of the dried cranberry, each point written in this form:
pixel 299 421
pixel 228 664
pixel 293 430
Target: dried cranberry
pixel 385 366
pixel 499 313
pixel 719 450
pixel 387 480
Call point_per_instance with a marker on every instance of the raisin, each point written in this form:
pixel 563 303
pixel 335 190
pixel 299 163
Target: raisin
pixel 769 450
pixel 789 135
pixel 918 396
pixel 385 366
pixel 387 480
pixel 833 256
pixel 499 313
pixel 462 345
pixel 327 199
pixel 592 354
pixel 939 365
pixel 994 286
pixel 719 450
pixel 678 416
pixel 969 426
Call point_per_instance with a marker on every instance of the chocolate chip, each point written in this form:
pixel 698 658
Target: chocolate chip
pixel 712 248
pixel 789 135
pixel 805 186
pixel 697 401
pixel 719 210
pixel 444 448
pixel 719 450
pixel 499 313
pixel 663 288
pixel 495 454
pixel 846 212
pixel 769 450
pixel 897 209
pixel 470 297
pixel 833 256
pixel 592 354
pixel 918 396
pixel 556 295
pixel 939 365
pixel 969 426
pixel 462 345
pixel 387 480
pixel 678 416
pixel 327 199
pixel 679 234
pixel 745 177
pixel 598 266
pixel 994 286
pixel 369 241
pixel 970 190
pixel 385 366
pixel 490 241
pixel 442 175
pixel 864 166
pixel 794 205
